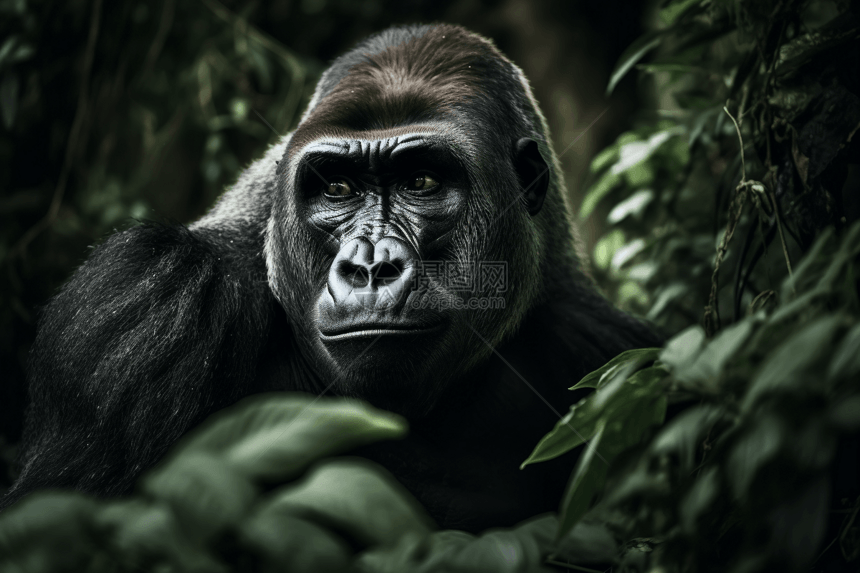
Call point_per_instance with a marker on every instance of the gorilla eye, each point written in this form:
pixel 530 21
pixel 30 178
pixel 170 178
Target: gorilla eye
pixel 338 188
pixel 422 183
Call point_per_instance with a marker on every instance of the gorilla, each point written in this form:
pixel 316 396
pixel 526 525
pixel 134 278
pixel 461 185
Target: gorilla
pixel 408 244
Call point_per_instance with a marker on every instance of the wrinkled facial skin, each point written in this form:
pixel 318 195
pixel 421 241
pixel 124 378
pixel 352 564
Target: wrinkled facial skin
pixel 385 206
pixel 380 208
pixel 370 226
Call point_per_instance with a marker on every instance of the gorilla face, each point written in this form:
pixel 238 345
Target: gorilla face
pixel 392 203
pixel 383 208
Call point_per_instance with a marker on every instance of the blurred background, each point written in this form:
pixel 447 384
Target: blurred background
pixel 116 112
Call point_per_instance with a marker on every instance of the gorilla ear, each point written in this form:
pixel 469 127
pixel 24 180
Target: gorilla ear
pixel 532 172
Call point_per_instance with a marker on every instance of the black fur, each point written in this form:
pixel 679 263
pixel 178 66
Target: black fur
pixel 165 324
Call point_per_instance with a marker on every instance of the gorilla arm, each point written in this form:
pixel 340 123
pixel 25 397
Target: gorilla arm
pixel 158 328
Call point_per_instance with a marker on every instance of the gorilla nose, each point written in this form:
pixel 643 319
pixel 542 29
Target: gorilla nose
pixel 380 275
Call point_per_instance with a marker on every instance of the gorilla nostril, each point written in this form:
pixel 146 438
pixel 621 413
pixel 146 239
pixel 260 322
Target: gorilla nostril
pixel 356 275
pixel 386 273
pixel 379 274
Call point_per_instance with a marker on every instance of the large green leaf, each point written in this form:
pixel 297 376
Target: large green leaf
pixel 146 536
pixel 274 437
pixel 207 494
pixel 634 205
pixel 354 496
pixel 521 549
pixel 639 356
pixel 588 542
pixel 616 390
pixel 48 532
pixel 280 542
pixel 683 349
pixel 846 359
pixel 682 435
pixel 574 429
pixel 674 10
pixel 625 414
pixel 787 366
pixel 586 481
pixel 757 445
pixel 703 369
pixel 699 499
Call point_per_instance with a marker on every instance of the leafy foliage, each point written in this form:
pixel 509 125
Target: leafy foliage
pixel 742 476
pixel 210 506
pixel 747 463
pixel 741 125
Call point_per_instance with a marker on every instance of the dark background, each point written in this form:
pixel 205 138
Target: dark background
pixel 114 112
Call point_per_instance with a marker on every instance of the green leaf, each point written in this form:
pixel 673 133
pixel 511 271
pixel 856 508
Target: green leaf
pixel 521 549
pixel 13 52
pixel 631 56
pixel 638 355
pixel 848 251
pixel 8 98
pixel 588 543
pixel 682 435
pixel 604 158
pixel 671 13
pixel 635 153
pixel 48 532
pixel 808 265
pixel 705 368
pixel 670 67
pixel 845 363
pixel 786 367
pixel 683 349
pixel 634 205
pixel 698 500
pixel 274 437
pixel 597 192
pixel 573 430
pixel 606 248
pixel 631 408
pixel 665 296
pixel 801 49
pixel 586 482
pixel 145 536
pixel 756 446
pixel 207 494
pixel 636 484
pixel 795 306
pixel 626 253
pixel 356 497
pixel 281 542
pixel 614 391
pixel 632 292
pixel 845 414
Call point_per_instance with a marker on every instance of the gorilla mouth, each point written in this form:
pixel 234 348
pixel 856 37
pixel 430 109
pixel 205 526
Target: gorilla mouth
pixel 368 330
